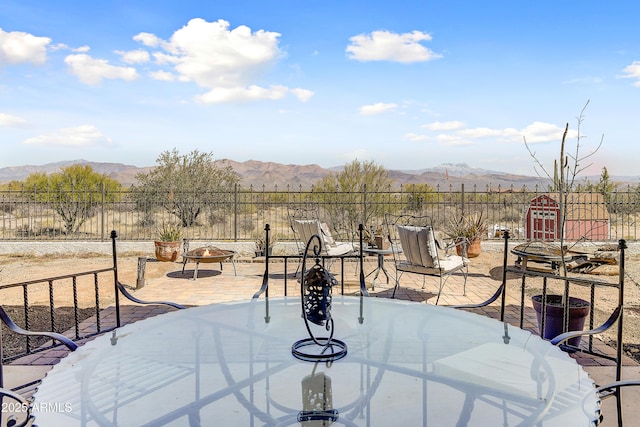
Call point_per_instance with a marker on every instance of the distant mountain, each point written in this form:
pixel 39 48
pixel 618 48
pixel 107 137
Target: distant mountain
pixel 255 173
pixel 125 174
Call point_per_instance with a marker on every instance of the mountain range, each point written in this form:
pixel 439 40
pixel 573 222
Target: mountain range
pixel 256 173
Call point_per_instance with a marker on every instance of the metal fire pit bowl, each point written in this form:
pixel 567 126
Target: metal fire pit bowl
pixel 207 254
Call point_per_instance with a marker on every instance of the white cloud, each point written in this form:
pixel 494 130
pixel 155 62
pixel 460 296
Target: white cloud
pixel 240 94
pixel 632 72
pixel 388 46
pixel 378 108
pixel 80 136
pixel 7 120
pixel 302 94
pixel 227 62
pixel 162 76
pixel 539 132
pixel 63 46
pixel 438 126
pixel 164 59
pixel 452 140
pixel 416 137
pixel 91 71
pixel 138 56
pixel 58 46
pixel 147 39
pixel 18 47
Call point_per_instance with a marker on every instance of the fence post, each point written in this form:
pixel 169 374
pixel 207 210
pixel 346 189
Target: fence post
pixel 102 213
pixel 462 198
pixel 364 203
pixel 235 212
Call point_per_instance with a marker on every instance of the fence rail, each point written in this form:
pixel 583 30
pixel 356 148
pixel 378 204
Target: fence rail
pixel 240 215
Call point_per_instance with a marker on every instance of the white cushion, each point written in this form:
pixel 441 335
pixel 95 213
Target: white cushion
pixel 415 244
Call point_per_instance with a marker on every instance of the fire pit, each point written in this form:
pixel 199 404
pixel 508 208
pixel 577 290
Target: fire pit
pixel 207 254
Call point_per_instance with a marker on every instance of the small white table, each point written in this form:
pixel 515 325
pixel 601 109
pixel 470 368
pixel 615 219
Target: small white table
pixel 407 364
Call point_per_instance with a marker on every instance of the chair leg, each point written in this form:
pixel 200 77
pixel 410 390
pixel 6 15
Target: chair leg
pixel 442 282
pixel 465 273
pixel 397 284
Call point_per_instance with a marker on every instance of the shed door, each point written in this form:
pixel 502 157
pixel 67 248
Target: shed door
pixel 544 224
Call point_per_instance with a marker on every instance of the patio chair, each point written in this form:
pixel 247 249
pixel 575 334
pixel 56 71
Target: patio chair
pixel 605 391
pixel 424 252
pixel 306 223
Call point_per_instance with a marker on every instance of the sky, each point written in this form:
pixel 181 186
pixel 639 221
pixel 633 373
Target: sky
pixel 406 84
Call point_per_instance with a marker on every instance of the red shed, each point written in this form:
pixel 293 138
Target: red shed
pixel 587 218
pixel 541 220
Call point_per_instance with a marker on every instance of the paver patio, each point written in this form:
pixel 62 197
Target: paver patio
pixel 214 286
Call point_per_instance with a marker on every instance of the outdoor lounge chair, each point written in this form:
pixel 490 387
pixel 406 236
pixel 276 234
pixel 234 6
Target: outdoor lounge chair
pixel 306 222
pixel 424 252
pixel 306 228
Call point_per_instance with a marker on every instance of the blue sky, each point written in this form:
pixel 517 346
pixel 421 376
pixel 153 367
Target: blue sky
pixel 407 84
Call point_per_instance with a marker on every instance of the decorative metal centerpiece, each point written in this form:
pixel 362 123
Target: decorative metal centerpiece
pixel 315 296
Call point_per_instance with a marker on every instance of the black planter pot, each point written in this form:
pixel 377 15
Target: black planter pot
pixel 553 324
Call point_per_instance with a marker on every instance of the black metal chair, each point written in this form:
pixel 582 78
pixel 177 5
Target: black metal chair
pixel 16 410
pixel 264 288
pixel 24 390
pixel 615 319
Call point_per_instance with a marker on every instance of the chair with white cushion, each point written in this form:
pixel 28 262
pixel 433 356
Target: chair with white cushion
pixel 424 252
pixel 306 222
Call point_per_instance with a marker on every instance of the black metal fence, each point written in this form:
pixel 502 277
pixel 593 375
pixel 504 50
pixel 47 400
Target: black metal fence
pixel 240 215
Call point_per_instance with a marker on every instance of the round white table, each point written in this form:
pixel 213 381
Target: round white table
pixel 407 364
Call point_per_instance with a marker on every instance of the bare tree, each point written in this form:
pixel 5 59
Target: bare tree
pixel 566 169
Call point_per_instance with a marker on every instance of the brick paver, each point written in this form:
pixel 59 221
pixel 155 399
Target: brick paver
pixel 213 287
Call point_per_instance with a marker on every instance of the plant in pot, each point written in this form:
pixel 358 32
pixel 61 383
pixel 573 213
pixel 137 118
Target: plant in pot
pixel 169 242
pixel 377 238
pixel 467 232
pixel 261 248
pixel 560 312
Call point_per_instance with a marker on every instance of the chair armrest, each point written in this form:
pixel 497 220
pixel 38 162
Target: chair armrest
pixel 53 335
pixel 23 407
pixel 607 390
pixel 130 297
pixel 572 334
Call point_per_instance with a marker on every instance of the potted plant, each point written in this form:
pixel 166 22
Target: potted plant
pixel 375 238
pixel 261 249
pixel 467 230
pixel 169 242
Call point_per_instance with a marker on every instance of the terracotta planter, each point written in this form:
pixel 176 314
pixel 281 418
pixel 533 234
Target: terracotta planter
pixel 167 251
pixel 473 249
pixel 553 324
pixel 381 242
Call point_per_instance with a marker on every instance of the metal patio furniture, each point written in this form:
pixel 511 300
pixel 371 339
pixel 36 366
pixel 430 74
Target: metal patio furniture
pixel 564 340
pixel 424 252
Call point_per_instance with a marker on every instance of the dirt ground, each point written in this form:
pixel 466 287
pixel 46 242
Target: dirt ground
pixel 22 268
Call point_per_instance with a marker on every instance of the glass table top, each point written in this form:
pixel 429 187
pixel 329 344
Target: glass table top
pixel 231 365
